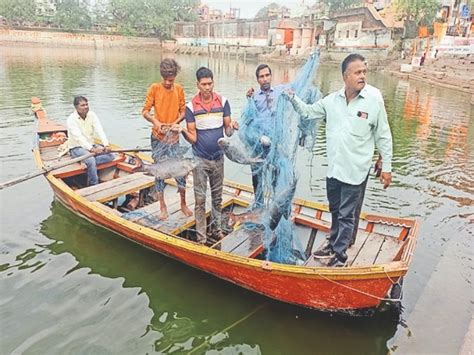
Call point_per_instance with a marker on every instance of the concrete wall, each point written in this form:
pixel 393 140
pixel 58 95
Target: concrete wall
pixel 242 41
pixel 360 37
pixel 65 39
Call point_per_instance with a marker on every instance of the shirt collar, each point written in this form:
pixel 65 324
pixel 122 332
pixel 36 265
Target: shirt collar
pixel 79 117
pixel 197 98
pixel 362 93
pixel 261 92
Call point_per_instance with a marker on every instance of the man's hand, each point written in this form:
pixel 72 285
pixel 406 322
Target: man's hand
pixel 176 128
pixel 234 124
pixel 386 179
pixel 157 126
pixel 96 150
pixel 250 92
pixel 288 93
pixel 378 167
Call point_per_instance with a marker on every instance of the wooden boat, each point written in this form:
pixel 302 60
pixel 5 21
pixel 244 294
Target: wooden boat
pixel 376 263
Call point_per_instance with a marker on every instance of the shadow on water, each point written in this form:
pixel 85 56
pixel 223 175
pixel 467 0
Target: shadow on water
pixel 194 310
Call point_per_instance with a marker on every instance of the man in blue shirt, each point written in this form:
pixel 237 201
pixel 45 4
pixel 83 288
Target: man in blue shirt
pixel 356 123
pixel 265 99
pixel 207 117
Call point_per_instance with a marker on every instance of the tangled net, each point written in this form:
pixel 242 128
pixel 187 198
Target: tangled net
pixel 278 171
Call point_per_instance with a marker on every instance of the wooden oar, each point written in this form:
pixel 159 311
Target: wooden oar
pixel 63 164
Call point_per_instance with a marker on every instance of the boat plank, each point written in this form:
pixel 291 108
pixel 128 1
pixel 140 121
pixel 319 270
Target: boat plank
pixel 369 250
pixel 51 153
pixel 179 222
pixel 117 187
pixel 90 190
pixel 251 244
pixel 232 240
pixel 355 249
pixel 389 250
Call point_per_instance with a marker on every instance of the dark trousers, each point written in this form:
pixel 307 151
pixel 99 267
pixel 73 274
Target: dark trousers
pixel 257 183
pixel 344 200
pixel 359 210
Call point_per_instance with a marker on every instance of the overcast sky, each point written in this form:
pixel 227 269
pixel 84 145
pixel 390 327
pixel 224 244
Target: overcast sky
pixel 249 8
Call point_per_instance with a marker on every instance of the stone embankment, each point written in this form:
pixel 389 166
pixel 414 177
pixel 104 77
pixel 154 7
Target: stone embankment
pixel 450 72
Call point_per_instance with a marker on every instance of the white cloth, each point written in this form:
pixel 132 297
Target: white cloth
pixel 83 132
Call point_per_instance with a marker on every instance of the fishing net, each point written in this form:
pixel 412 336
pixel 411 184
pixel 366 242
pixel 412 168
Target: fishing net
pixel 277 172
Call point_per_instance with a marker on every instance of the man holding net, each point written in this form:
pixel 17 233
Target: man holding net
pixel 265 99
pixel 167 100
pixel 356 123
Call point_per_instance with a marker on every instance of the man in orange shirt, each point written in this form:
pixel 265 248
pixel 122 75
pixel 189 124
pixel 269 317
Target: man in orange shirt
pixel 167 100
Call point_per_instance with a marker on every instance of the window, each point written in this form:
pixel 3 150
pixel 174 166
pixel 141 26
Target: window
pixel 339 35
pixel 356 33
pixel 347 34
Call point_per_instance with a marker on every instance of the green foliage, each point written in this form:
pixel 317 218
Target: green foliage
pixel 72 15
pixel 421 12
pixel 151 17
pixel 336 5
pixel 18 12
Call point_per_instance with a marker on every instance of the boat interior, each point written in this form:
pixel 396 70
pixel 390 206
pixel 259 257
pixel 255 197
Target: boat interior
pixel 127 193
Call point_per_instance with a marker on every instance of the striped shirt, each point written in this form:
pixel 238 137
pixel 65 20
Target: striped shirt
pixel 209 119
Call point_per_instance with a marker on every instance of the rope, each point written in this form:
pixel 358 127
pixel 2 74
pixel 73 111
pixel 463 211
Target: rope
pixel 363 292
pixel 237 322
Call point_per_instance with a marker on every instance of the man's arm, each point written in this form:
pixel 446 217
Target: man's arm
pixel 230 125
pixel 383 143
pixel 149 102
pixel 189 133
pixel 98 130
pixel 306 111
pixel 182 106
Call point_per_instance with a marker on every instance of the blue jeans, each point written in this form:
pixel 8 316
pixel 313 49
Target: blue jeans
pixel 344 201
pixel 92 162
pixel 161 151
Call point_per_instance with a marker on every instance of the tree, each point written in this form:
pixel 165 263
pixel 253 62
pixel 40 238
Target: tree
pixel 18 12
pixel 422 12
pixel 264 11
pixel 336 5
pixel 151 17
pixel 72 15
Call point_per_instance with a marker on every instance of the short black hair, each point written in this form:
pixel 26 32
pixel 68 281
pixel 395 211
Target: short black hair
pixel 169 67
pixel 349 59
pixel 78 99
pixel 261 67
pixel 204 72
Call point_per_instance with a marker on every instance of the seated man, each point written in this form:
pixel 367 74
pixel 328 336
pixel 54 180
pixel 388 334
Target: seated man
pixel 82 127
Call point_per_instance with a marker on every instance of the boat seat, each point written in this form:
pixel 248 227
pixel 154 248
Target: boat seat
pixel 80 168
pixel 248 243
pixel 110 190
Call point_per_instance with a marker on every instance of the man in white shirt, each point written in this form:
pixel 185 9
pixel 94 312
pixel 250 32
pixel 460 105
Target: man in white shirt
pixel 83 127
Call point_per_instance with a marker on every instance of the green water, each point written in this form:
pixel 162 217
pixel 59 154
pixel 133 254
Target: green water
pixel 67 286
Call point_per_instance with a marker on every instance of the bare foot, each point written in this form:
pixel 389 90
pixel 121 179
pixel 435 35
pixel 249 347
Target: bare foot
pixel 186 211
pixel 163 214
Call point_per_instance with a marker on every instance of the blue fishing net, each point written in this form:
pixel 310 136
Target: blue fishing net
pixel 278 172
